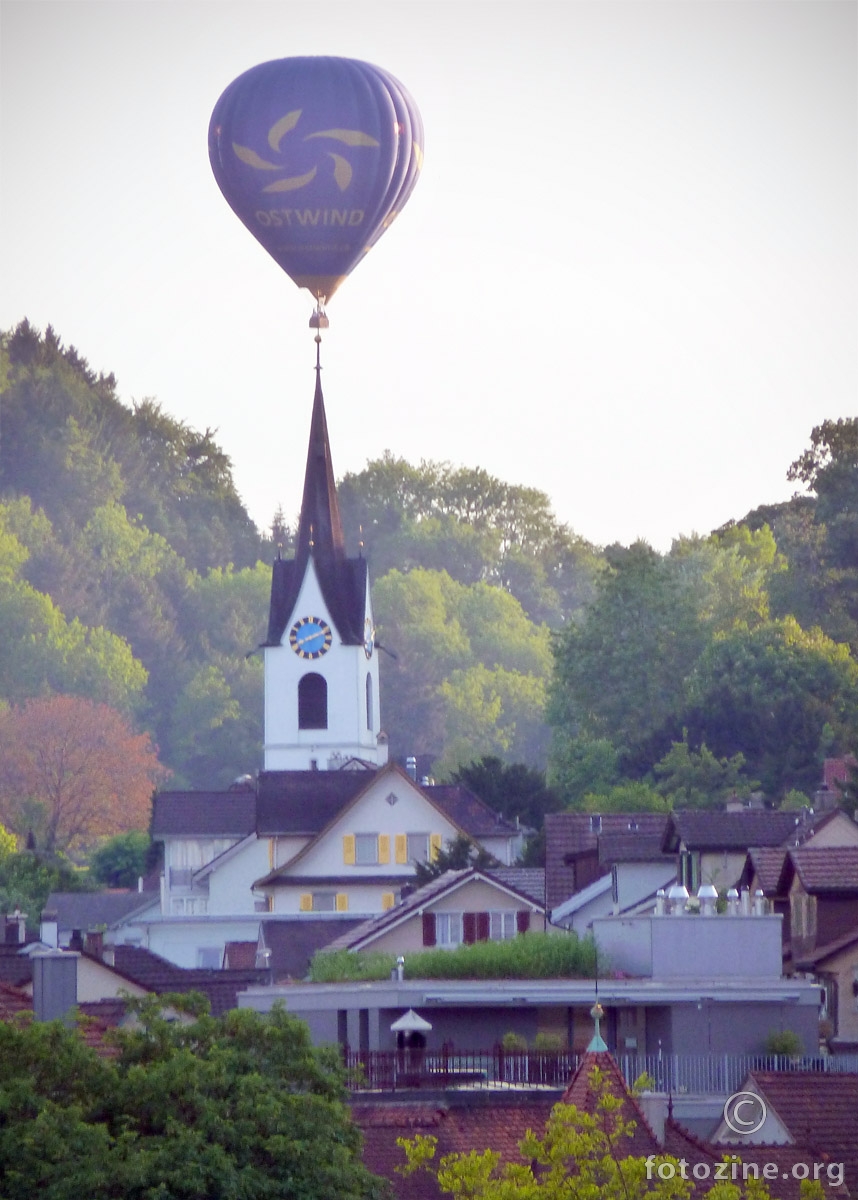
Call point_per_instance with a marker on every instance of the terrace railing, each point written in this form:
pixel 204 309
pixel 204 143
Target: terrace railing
pixel 387 1071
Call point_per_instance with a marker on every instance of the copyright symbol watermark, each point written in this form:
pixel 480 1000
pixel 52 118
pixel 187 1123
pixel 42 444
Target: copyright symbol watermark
pixel 745 1113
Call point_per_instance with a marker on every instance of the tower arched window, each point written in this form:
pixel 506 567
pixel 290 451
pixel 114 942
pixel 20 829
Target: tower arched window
pixel 368 700
pixel 313 702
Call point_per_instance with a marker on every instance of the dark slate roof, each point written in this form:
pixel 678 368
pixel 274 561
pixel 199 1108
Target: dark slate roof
pixel 157 974
pixel 643 846
pixel 305 802
pixel 527 881
pixel 320 536
pixel 714 829
pixel 211 814
pixel 16 967
pixel 468 811
pixel 86 911
pixel 293 942
pixel 826 868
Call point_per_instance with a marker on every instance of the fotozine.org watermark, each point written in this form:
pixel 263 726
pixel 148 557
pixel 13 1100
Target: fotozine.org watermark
pixel 734 1170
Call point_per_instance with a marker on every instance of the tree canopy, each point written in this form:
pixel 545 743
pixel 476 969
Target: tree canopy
pixel 241 1105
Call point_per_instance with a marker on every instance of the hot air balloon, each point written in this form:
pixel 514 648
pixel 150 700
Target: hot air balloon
pixel 316 156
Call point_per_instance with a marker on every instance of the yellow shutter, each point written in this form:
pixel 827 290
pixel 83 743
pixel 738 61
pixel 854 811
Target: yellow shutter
pixel 387 899
pixel 305 904
pixel 400 846
pixel 434 846
pixel 349 849
pixel 342 902
pixel 384 847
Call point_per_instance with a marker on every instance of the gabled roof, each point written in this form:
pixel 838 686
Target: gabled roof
pixel 768 862
pixel 468 811
pixel 423 898
pixel 569 835
pixel 203 814
pixel 826 868
pixel 343 580
pixel 157 974
pixel 88 910
pixel 820 954
pixel 305 802
pixel 819 1109
pixel 580 899
pixel 713 829
pixel 294 942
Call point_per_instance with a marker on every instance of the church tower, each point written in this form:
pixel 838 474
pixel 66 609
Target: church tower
pixel 321 666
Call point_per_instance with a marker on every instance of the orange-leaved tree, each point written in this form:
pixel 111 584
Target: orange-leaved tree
pixel 72 771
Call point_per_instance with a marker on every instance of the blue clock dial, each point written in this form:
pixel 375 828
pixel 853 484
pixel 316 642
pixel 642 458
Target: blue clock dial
pixel 310 637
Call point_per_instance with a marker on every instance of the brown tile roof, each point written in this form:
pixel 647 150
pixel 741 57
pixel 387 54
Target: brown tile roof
pixel 569 834
pixel 468 811
pixel 820 1111
pixel 239 955
pixel 768 862
pixel 13 1000
pixel 827 868
pixel 215 814
pixel 820 953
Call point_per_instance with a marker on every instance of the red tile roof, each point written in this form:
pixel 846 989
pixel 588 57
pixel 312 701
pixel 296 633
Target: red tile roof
pixel 569 834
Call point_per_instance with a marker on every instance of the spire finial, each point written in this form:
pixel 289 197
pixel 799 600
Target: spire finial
pixel 319 321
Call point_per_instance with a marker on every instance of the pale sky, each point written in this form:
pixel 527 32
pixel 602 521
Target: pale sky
pixel 627 276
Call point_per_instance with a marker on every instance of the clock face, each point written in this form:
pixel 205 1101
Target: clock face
pixel 310 637
pixel 368 637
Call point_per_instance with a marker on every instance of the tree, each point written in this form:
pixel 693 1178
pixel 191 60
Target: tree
pixel 72 771
pixel 583 1153
pixel 696 778
pixel 242 1105
pixel 516 790
pixel 121 860
pixel 27 878
pixel 457 855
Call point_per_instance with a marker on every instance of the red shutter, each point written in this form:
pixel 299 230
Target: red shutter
pixel 522 921
pixel 483 927
pixel 469 928
pixel 428 929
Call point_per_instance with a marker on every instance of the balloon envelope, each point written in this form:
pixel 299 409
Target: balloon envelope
pixel 316 156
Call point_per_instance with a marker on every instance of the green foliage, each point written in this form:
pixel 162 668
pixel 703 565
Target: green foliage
pixel 241 1105
pixel 28 878
pixel 8 843
pixel 786 1042
pixel 121 860
pixel 527 956
pixel 579 1156
pixel 697 779
pixel 470 670
pixel 626 797
pixel 515 790
pixel 456 855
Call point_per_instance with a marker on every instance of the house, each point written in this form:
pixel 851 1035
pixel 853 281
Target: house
pixel 581 848
pixel 457 908
pixel 809 1111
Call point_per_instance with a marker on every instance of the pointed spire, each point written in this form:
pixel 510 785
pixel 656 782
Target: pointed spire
pixel 320 528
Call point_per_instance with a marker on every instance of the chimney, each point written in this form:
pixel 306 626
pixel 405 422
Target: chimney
pixel 54 984
pixel 707 894
pixel 411 767
pixel 654 1108
pixel 76 940
pixel 49 929
pixel 733 902
pixel 16 928
pixel 94 944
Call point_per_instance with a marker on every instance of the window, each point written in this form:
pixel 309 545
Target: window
pixel 209 957
pixel 312 702
pixel 502 926
pixel 417 847
pixel 448 929
pixel 324 902
pixel 366 849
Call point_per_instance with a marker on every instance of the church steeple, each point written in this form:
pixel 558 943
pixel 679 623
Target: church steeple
pixel 320 524
pixel 321 671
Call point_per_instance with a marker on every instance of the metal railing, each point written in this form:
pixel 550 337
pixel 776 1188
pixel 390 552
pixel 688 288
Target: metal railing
pixel 392 1070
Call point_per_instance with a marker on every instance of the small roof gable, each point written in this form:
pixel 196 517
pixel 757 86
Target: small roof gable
pixel 203 814
pixel 423 898
pixel 768 863
pixel 826 868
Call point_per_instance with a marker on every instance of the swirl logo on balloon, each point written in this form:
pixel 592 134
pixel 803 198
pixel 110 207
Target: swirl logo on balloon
pixel 290 183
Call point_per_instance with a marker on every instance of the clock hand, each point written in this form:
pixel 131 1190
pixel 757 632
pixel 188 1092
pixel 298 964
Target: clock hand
pixel 309 638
